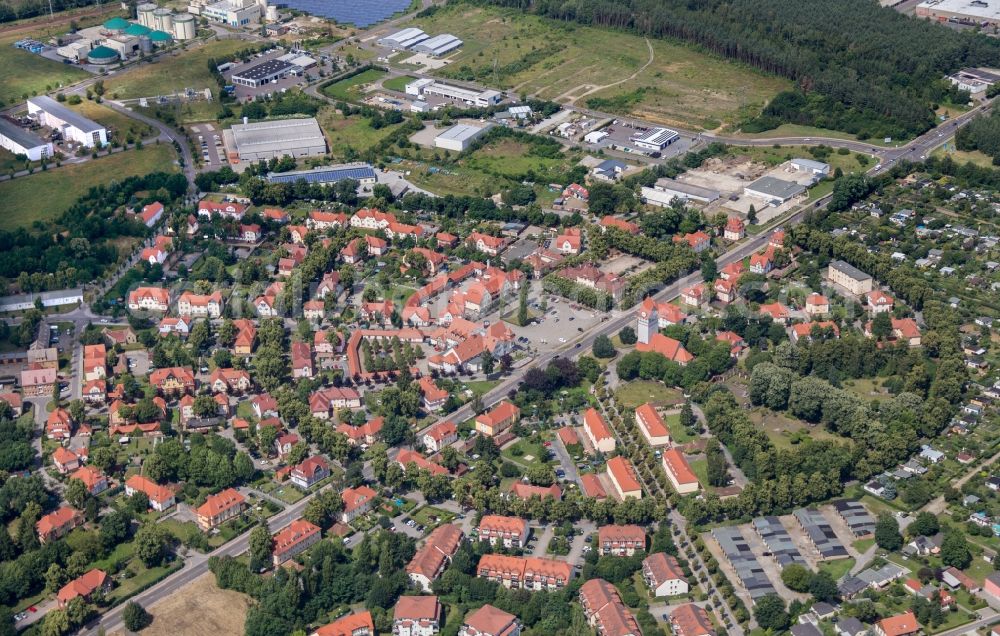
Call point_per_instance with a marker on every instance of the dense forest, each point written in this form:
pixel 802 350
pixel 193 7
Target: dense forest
pixel 982 134
pixel 857 67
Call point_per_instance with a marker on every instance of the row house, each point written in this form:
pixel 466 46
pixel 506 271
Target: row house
pixel 200 305
pixel 364 435
pixel 433 557
pixel 620 540
pixel 319 220
pixel 403 230
pixel 372 219
pixel 324 402
pixel 605 611
pixel 691 620
pixel 623 478
pixel 529 573
pixel 510 532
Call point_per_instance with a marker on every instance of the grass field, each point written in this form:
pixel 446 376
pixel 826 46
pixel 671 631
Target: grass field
pixel 774 156
pixel 350 132
pixel 509 158
pixel 120 125
pixel 398 83
pixel 837 568
pixel 867 390
pixel 44 195
pixel 635 393
pixel 350 89
pixel 784 432
pixel 201 609
pixel 180 70
pixel 795 130
pixel 562 62
pixel 961 156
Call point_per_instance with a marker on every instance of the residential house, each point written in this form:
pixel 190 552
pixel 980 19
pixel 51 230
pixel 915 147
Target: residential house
pixel 359 624
pixel 440 435
pixel 148 299
pixel 597 431
pixel 310 471
pixel 432 558
pixel 679 472
pixel 357 501
pixel 734 230
pixel 510 532
pixel 605 611
pixel 219 508
pixel 416 616
pixel 200 305
pixel 293 540
pixel 58 524
pixel 690 620
pixel 490 621
pixel 498 419
pixel 651 425
pixel 95 481
pixel 620 540
pixel 530 573
pixel 663 575
pixel 84 586
pixel 160 497
pixel 623 478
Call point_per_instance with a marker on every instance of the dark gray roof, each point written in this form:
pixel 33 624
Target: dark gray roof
pixel 68 115
pixel 24 138
pixel 850 270
pixel 777 188
pixel 328 174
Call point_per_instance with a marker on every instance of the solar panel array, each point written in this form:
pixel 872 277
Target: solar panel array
pixel 739 555
pixel 320 175
pixel 778 541
pixel 856 517
pixel 821 534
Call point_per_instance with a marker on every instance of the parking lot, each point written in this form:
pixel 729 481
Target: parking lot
pixel 620 134
pixel 562 322
pixel 247 93
pixel 213 152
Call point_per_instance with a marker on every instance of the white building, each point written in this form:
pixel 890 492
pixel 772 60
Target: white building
pixel 73 126
pixel 811 166
pixel 655 139
pixel 480 98
pixel 23 142
pixel 666 190
pixel 270 139
pixel 404 39
pixel 459 137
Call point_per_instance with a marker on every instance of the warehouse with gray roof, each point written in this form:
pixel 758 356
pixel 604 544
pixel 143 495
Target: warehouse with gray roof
pixel 403 39
pixel 773 190
pixel 664 191
pixel 72 125
pixel 459 137
pixel 23 142
pixel 269 139
pixel 438 45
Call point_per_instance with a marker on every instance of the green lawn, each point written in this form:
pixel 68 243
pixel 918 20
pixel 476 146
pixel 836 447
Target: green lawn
pixel 350 89
pixel 139 578
pixel 398 83
pixel 558 61
pixel 350 132
pixel 795 130
pixel 867 390
pixel 700 469
pixel 481 387
pixel 45 195
pixel 176 72
pixel 423 516
pixel 520 451
pixel 785 432
pixel 979 158
pixel 633 394
pixel 23 74
pixel 861 545
pixel 837 568
pixel 120 126
pixel 678 433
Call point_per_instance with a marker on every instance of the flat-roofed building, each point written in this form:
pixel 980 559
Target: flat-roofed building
pixel 459 137
pixel 269 139
pixel 773 190
pixel 473 97
pixel 665 190
pixel 72 125
pixel 23 142
pixel 655 139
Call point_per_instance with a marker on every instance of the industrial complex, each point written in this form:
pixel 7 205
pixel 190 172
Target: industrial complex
pixel 428 87
pixel 416 40
pixel 73 126
pixel 23 142
pixel 269 139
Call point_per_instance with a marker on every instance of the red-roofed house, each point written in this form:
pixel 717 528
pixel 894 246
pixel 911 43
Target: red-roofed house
pixel 804 330
pixel 652 425
pixel 762 262
pixel 592 486
pixel 569 242
pixel 65 460
pixel 620 540
pixel 310 471
pixel 440 435
pixel 498 419
pixel 777 312
pixel 151 213
pixel 434 396
pixel 219 508
pixel 898 625
pixel 679 472
pixel 95 481
pixel 522 490
pixel 511 532
pixel 416 616
pixel 695 296
pixel 430 560
pixel 84 586
pixel 735 229
pixel 160 498
pixel 359 624
pixel 663 575
pixel 295 539
pixel 148 299
pixel 57 524
pixel 226 209
pixel 623 478
pixel 817 305
pixel 487 244
pixel 668 347
pixel 690 620
pixel 597 431
pixel 357 501
pixel 490 621
pixel 879 302
pixel 621 224
pixel 697 241
pixel 605 611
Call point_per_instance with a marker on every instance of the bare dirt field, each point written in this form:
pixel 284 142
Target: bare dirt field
pixel 201 610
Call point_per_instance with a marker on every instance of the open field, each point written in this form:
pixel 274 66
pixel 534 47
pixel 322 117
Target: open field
pixel 772 156
pixel 44 195
pixel 962 156
pixel 784 432
pixel 26 74
pixel 511 158
pixel 398 83
pixel 202 609
pixel 174 73
pixel 350 88
pixel 350 132
pixel 120 125
pixel 795 130
pixel 867 390
pixel 564 62
pixel 633 394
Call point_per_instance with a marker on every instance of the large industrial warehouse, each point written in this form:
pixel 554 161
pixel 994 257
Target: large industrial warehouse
pixel 73 126
pixel 438 45
pixel 269 139
pixel 459 137
pixel 263 73
pixel 403 39
pixel 22 142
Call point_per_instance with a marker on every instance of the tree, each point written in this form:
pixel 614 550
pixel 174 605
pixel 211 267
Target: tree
pixel 887 533
pixel 882 326
pixel 687 417
pixel 488 362
pixel 955 550
pixel 135 617
pixel 823 587
pixel 709 269
pixel 603 347
pixel 796 577
pixel 76 493
pixel 752 215
pixel 925 524
pixel 522 306
pixel 261 547
pixel 56 623
pixel 55 577
pixel 151 544
pixel 770 613
pixel 627 335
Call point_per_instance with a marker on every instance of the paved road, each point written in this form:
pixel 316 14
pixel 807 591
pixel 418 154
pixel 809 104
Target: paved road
pixel 938 504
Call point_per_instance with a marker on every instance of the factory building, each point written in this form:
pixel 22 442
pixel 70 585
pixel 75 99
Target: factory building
pixel 263 73
pixel 438 45
pixel 269 139
pixel 978 12
pixel 404 39
pixel 73 126
pixel 664 191
pixel 236 13
pixel 360 172
pixel 459 137
pixel 482 99
pixel 23 142
pixel 655 139
pixel 772 190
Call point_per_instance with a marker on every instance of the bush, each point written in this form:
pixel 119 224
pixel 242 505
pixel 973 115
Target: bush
pixel 135 617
